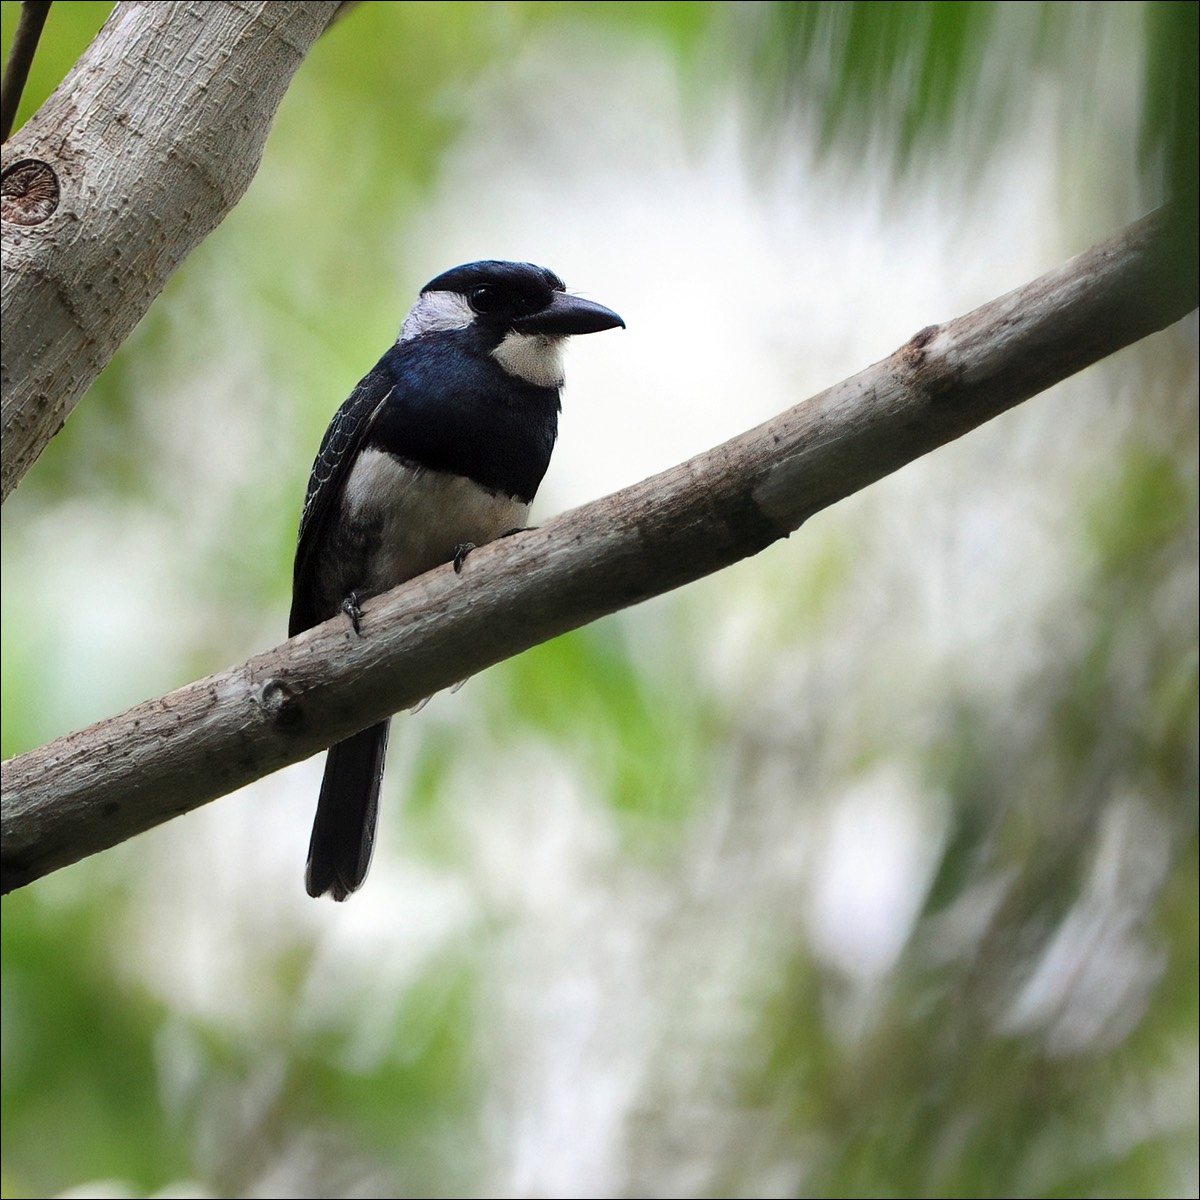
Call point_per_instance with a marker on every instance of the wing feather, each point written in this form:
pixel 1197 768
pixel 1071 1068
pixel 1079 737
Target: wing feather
pixel 331 468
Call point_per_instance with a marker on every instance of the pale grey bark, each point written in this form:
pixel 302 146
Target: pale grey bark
pixel 140 153
pixel 94 788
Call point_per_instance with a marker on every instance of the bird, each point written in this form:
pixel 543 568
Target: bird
pixel 440 448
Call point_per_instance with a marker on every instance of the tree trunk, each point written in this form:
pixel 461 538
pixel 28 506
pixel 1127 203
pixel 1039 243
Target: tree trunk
pixel 140 153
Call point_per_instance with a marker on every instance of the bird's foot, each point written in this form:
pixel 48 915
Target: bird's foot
pixel 351 608
pixel 464 548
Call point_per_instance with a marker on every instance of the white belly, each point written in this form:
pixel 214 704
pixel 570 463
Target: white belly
pixel 420 515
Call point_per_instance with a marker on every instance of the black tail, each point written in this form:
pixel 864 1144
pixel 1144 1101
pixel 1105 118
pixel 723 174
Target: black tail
pixel 343 835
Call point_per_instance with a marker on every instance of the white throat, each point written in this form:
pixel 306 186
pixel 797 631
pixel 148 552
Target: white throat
pixel 534 357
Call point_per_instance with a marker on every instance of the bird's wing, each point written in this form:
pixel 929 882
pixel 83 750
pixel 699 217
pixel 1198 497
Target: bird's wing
pixel 331 468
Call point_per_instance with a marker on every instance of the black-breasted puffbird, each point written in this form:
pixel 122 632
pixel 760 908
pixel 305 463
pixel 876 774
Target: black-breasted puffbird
pixel 440 447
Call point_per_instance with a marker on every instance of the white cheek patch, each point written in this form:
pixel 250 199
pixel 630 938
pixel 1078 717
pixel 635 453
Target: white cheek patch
pixel 435 312
pixel 534 357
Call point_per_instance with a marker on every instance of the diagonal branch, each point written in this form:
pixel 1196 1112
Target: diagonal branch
pixel 94 788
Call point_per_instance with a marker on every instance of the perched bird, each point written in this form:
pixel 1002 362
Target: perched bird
pixel 440 448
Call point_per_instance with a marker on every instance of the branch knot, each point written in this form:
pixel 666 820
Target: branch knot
pixel 29 192
pixel 281 704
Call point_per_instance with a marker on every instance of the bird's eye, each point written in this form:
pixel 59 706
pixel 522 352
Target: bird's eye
pixel 485 298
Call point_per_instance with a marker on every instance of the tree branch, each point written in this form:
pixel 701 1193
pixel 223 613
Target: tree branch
pixel 140 153
pixel 20 59
pixel 92 789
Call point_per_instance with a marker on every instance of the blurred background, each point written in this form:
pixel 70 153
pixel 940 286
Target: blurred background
pixel 867 867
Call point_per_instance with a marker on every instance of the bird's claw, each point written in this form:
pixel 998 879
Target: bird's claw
pixel 460 555
pixel 351 608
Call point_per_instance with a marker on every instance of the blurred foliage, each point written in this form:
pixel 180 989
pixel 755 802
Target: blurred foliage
pixel 980 1071
pixel 81 1085
pixel 922 60
pixel 1170 147
pixel 1036 1031
pixel 936 74
pixel 646 749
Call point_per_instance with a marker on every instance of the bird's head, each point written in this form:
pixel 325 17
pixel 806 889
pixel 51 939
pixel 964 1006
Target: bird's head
pixel 520 312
